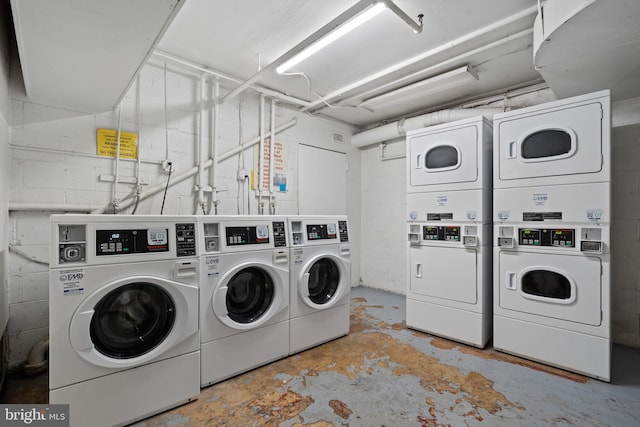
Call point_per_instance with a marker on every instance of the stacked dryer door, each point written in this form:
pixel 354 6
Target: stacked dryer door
pixel 449 230
pixel 320 280
pixel 244 299
pixel 123 318
pixel 552 225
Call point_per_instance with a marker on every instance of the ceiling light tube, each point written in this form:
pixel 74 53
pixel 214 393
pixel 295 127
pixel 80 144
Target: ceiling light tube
pixel 422 88
pixel 340 31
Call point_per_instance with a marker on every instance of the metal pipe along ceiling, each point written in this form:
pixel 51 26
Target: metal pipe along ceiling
pixel 398 129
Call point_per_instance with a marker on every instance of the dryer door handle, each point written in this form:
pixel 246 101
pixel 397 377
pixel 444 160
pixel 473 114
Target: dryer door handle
pixel 511 150
pixel 185 269
pixel 419 271
pixel 511 281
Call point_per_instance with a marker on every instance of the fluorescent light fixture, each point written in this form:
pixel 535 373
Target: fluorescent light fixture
pixel 333 36
pixel 422 88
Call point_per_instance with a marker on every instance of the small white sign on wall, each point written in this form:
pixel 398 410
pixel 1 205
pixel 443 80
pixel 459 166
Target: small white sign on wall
pixel 279 167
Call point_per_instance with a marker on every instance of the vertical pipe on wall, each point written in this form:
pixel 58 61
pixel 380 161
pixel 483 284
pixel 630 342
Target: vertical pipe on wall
pixel 201 147
pixel 114 201
pixel 214 147
pixel 261 158
pixel 272 200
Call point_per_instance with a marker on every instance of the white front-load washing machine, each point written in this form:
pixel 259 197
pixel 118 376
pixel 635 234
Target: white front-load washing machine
pixel 244 299
pixel 320 280
pixel 123 316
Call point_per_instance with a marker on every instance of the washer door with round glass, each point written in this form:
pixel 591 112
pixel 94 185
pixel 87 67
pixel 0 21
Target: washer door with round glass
pixel 133 320
pixel 249 295
pixel 323 281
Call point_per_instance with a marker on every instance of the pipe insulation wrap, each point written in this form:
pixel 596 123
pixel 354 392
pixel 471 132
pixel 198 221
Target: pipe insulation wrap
pixel 398 129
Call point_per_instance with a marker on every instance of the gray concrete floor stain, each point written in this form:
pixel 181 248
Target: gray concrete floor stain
pixel 383 374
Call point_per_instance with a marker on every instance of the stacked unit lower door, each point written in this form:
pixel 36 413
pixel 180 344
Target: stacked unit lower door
pixel 450 282
pixel 552 304
pixel 127 348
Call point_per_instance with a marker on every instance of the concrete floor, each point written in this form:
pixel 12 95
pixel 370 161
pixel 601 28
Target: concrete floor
pixel 383 374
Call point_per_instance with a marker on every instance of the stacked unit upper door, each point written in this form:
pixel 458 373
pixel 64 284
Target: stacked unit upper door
pixel 562 142
pixel 449 156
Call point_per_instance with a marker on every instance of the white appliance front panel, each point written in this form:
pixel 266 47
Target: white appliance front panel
pixel 562 287
pixel 464 205
pixel 562 142
pixel 450 156
pixel 444 273
pixel 577 203
pixel 443 157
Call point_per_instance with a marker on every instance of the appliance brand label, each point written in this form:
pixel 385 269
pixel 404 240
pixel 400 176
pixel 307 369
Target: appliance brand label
pixel 413 215
pixel 472 215
pixel 213 264
pixel 441 200
pixel 72 281
pixel 503 215
pixel 297 256
pixel 594 215
pixel 540 199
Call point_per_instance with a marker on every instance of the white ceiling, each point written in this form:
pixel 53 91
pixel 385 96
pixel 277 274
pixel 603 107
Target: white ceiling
pixel 239 38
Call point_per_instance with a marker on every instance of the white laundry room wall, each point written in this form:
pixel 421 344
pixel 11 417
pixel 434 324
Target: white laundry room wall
pixel 5 167
pixel 54 162
pixel 625 234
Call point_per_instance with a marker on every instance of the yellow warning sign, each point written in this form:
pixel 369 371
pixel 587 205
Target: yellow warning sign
pixel 107 143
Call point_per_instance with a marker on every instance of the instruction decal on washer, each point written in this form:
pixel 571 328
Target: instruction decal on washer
pixel 594 215
pixel 297 256
pixel 72 281
pixel 213 265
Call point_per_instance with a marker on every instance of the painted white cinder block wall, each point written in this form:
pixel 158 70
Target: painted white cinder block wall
pixel 53 161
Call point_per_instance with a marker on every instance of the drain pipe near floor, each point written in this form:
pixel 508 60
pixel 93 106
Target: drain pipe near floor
pixel 38 358
pixel 179 177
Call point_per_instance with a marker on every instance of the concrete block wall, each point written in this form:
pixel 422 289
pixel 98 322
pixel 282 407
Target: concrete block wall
pixel 52 158
pixel 625 235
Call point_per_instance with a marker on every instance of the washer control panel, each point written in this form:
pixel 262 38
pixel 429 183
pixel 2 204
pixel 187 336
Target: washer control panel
pixel 119 242
pixel 344 231
pixel 321 231
pixel 279 234
pixel 185 239
pixel 558 237
pixel 443 233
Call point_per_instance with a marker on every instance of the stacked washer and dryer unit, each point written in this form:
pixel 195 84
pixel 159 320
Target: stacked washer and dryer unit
pixel 449 230
pixel 552 224
pixel 244 294
pixel 123 319
pixel 320 280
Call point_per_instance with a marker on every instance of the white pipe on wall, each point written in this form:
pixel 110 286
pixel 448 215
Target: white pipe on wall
pixel 261 158
pixel 116 173
pixel 399 128
pixel 214 148
pixel 272 144
pixel 179 177
pixel 201 147
pixel 51 207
